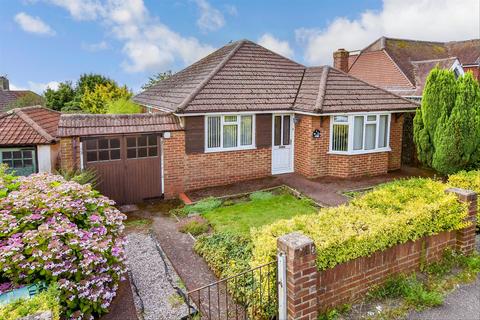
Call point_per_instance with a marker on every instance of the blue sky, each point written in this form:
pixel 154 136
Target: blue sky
pixel 48 41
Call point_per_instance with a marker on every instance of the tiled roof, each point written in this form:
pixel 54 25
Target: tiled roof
pixel 421 70
pixel 105 124
pixel 28 126
pixel 9 96
pixel 329 90
pixel 244 76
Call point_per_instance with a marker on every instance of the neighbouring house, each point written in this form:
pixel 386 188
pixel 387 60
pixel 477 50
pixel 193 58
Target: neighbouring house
pixel 28 142
pixel 402 66
pixel 242 112
pixel 8 97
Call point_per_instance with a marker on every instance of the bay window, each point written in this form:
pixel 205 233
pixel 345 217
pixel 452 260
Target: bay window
pixel 352 134
pixel 229 132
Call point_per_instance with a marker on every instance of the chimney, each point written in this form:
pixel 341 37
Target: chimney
pixel 4 84
pixel 340 59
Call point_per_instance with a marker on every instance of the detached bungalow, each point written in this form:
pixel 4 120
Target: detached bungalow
pixel 244 112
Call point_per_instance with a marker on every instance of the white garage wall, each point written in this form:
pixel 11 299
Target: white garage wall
pixel 44 158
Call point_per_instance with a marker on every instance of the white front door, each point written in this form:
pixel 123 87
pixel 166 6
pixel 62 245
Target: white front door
pixel 282 143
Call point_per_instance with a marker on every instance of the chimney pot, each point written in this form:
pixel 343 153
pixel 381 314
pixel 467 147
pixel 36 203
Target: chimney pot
pixel 340 59
pixel 4 84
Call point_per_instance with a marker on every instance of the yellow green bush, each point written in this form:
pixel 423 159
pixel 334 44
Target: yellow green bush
pixel 390 214
pixel 44 301
pixel 467 180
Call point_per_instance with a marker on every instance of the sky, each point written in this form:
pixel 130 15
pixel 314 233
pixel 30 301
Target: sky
pixel 45 42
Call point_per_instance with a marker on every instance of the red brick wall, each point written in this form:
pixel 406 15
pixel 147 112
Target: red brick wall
pixel 221 168
pixel 174 164
pixel 69 153
pixel 474 70
pixel 313 160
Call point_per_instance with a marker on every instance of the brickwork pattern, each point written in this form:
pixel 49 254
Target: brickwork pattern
pixel 174 164
pixel 466 236
pixel 396 137
pixel 66 154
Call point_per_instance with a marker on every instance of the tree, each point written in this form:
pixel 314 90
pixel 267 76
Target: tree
pixel 95 101
pixel 123 106
pixel 27 100
pixel 156 78
pixel 447 126
pixel 58 99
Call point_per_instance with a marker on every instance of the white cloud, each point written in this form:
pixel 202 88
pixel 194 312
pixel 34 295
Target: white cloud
pixel 436 20
pixel 276 45
pixel 33 24
pixel 231 10
pixel 95 47
pixel 210 19
pixel 148 44
pixel 39 87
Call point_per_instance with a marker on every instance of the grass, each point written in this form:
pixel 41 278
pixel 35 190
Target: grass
pixel 261 210
pixel 194 227
pixel 138 223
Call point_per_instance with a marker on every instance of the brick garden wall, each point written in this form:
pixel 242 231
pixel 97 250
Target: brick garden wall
pixel 69 157
pixel 310 291
pixel 173 150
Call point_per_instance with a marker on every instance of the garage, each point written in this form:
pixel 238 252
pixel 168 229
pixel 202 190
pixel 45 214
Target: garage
pixel 125 151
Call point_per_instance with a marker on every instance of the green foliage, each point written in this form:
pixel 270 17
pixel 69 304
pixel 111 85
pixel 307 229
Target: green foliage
pixel 123 106
pixel 335 313
pixel 202 206
pixel 44 301
pixel 60 98
pixel 194 227
pixel 96 100
pixel 469 180
pixel 260 195
pixel 86 176
pixel 153 80
pixel 447 126
pixel 27 100
pixel 390 214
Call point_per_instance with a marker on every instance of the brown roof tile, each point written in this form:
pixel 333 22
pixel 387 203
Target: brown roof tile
pixel 28 126
pixel 9 96
pixel 106 124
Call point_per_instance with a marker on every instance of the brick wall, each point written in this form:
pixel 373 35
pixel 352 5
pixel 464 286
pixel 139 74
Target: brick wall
pixel 475 70
pixel 313 160
pixel 221 168
pixel 310 291
pixel 173 150
pixel 69 154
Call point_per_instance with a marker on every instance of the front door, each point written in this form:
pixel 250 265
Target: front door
pixel 282 150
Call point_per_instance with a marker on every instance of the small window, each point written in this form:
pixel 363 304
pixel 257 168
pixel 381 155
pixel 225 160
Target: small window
pixel 229 132
pixel 340 133
pixel 18 159
pixel 142 147
pixel 103 149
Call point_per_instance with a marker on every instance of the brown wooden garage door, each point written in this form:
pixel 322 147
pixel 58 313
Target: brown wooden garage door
pixel 128 167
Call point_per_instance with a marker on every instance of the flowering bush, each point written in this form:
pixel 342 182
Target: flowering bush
pixel 55 230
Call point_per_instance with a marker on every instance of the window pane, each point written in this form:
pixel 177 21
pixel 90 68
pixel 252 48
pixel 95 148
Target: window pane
pixel 278 131
pixel 131 142
pixel 230 119
pixel 286 130
pixel 91 144
pixel 213 132
pixel 246 131
pixel 371 118
pixel 340 119
pixel 17 154
pixel 7 155
pixel 230 136
pixel 114 143
pixel 103 144
pixel 142 152
pixel 17 163
pixel 8 163
pixel 142 141
pixel 91 156
pixel 152 140
pixel 383 131
pixel 370 131
pixel 131 153
pixel 115 154
pixel 152 151
pixel 28 162
pixel 103 155
pixel 340 137
pixel 27 154
pixel 358 133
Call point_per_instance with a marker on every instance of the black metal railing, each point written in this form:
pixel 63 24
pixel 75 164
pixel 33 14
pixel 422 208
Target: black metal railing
pixel 248 295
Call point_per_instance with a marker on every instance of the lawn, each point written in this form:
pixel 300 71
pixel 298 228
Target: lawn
pixel 239 218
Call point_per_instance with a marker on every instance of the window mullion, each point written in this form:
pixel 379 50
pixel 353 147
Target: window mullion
pixel 221 131
pixel 377 129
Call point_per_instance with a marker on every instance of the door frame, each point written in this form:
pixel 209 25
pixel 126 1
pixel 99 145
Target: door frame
pixel 292 144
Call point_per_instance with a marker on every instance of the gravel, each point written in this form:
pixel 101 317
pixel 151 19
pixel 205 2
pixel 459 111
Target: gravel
pixel 155 284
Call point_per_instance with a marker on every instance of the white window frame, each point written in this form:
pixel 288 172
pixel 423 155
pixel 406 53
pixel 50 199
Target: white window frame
pixel 222 123
pixel 350 122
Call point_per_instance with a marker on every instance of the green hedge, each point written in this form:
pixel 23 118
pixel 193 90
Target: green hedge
pixel 467 180
pixel 44 301
pixel 390 214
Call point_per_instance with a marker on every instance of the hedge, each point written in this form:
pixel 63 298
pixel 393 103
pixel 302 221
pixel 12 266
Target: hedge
pixel 467 180
pixel 392 213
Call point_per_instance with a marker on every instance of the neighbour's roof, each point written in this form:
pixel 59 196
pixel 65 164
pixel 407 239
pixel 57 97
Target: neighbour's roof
pixel 106 124
pixel 244 76
pixel 28 126
pixel 422 69
pixel 329 90
pixel 9 96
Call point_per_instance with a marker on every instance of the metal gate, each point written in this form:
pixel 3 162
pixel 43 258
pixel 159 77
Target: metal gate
pixel 253 294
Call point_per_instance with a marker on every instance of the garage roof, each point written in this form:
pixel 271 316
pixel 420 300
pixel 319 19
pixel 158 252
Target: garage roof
pixel 71 125
pixel 28 126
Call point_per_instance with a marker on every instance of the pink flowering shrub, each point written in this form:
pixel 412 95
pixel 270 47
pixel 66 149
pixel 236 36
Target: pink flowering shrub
pixel 55 230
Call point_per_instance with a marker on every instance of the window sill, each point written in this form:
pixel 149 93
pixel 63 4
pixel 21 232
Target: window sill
pixel 354 153
pixel 229 149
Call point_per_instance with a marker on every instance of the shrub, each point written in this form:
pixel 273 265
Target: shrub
pixel 55 230
pixel 195 226
pixel 469 180
pixel 80 176
pixel 44 301
pixel 390 214
pixel 261 195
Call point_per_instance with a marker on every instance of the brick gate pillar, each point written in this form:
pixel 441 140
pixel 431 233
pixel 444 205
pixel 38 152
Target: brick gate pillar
pixel 466 236
pixel 302 276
